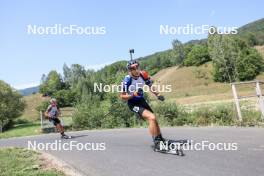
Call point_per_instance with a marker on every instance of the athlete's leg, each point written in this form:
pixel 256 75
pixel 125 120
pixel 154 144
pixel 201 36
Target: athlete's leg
pixel 58 125
pixel 154 128
pixel 60 128
pixel 143 110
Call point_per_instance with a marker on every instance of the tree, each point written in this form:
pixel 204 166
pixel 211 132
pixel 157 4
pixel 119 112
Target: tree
pixel 197 56
pixel 251 39
pixel 158 62
pixel 66 73
pixel 249 64
pixel 178 51
pixel 166 62
pixel 43 78
pixel 11 105
pixel 74 74
pixel 233 59
pixel 65 98
pixel 223 51
pixel 51 84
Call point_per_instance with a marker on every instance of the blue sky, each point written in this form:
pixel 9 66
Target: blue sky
pixel 129 24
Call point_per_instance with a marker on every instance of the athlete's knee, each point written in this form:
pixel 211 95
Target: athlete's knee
pixel 149 115
pixel 152 117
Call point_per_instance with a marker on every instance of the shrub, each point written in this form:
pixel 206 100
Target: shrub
pixel 11 105
pixel 87 116
pixel 197 56
pixel 219 114
pixel 170 114
pixel 250 117
pixel 249 65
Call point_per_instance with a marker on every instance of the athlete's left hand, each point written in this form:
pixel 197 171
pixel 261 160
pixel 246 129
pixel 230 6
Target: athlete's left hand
pixel 161 97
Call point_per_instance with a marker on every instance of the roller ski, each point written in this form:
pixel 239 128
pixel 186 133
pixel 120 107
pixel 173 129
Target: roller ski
pixel 64 136
pixel 173 147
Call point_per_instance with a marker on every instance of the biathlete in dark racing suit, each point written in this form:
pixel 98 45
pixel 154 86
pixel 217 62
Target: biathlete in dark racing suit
pixel 133 93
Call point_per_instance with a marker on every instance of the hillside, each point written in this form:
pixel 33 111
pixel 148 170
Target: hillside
pixel 253 31
pixel 29 91
pixel 32 102
pixel 195 85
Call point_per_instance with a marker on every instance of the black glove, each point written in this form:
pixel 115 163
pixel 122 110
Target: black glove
pixel 161 98
pixel 140 92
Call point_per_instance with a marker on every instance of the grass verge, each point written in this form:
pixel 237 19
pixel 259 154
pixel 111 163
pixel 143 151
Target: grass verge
pixel 20 162
pixel 22 130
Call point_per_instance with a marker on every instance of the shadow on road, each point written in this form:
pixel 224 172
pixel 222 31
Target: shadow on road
pixel 78 136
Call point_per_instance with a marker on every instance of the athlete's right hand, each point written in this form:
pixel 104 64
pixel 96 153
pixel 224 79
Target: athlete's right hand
pixel 135 94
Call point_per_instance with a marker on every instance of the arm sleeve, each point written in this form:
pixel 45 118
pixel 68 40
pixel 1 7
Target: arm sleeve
pixel 146 78
pixel 126 83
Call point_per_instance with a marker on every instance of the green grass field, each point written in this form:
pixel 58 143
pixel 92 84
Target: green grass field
pixel 22 130
pixel 22 162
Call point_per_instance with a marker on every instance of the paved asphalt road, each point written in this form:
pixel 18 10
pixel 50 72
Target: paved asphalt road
pixel 128 152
